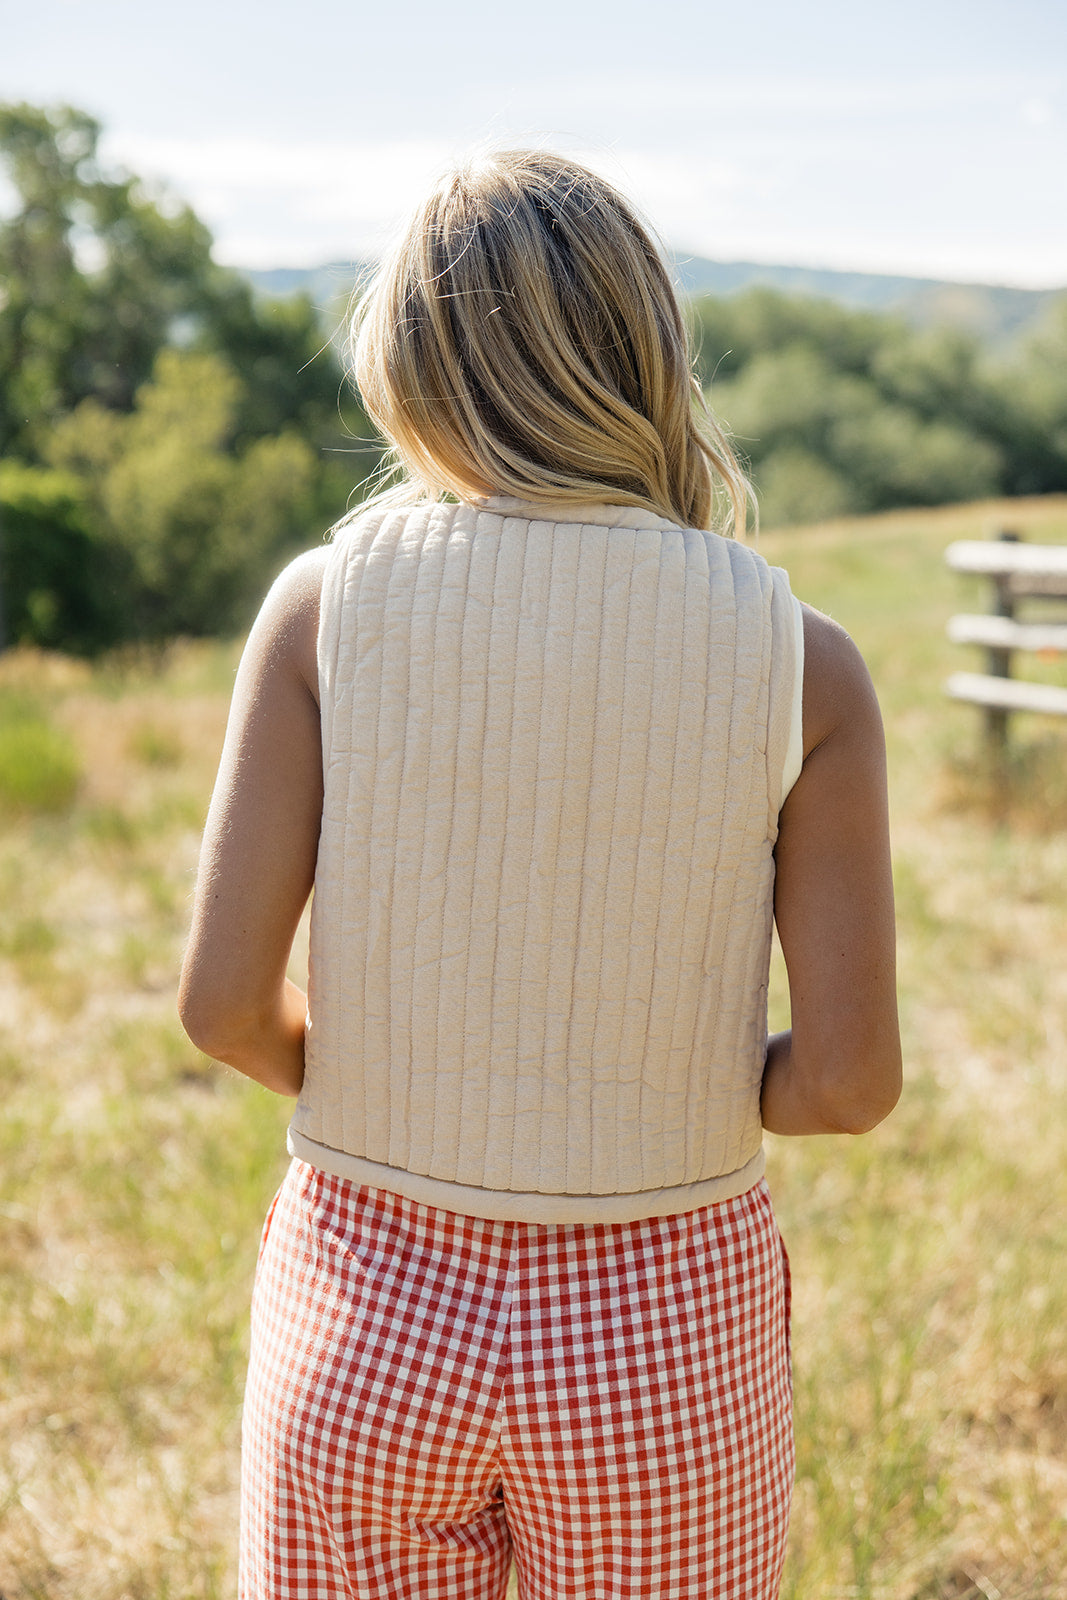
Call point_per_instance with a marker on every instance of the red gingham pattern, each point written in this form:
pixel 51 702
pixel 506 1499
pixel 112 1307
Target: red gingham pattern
pixel 432 1395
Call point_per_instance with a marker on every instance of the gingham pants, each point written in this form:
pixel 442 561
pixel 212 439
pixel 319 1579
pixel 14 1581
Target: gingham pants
pixel 432 1395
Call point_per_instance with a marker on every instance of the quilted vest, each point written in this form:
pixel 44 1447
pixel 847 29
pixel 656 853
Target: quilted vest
pixel 553 745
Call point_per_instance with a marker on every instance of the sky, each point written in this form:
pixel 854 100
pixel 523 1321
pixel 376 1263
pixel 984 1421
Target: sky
pixel 927 137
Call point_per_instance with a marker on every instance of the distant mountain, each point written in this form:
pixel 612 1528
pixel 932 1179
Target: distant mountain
pixel 328 286
pixel 995 313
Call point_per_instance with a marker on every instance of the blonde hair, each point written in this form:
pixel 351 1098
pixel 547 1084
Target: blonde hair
pixel 523 338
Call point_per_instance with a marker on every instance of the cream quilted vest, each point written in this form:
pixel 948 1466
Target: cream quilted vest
pixel 553 744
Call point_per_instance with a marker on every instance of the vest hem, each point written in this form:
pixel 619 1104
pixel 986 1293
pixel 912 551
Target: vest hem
pixel 505 1205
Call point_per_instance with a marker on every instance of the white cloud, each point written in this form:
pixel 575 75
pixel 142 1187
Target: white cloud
pixel 911 199
pixel 272 203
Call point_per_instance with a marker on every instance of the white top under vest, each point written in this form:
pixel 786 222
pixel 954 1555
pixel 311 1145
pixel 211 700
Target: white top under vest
pixel 555 744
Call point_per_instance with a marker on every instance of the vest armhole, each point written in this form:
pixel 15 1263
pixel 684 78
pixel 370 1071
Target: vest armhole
pixel 794 752
pixel 785 734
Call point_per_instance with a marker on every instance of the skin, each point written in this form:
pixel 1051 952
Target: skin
pixel 836 1070
pixel 257 861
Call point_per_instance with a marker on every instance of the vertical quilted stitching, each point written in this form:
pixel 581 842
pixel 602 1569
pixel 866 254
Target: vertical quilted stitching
pixel 545 873
pixel 466 968
pixel 489 1139
pixel 459 700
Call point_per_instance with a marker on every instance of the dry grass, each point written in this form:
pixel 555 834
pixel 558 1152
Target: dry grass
pixel 930 1296
pixel 930 1354
pixel 134 1175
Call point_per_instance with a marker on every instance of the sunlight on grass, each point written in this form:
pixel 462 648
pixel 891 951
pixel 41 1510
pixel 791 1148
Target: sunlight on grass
pixel 39 768
pixel 929 1293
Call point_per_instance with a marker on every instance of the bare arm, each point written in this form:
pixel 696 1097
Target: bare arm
pixel 838 1069
pixel 257 862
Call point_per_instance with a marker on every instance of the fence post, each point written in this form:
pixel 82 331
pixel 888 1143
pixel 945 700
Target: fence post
pixel 998 660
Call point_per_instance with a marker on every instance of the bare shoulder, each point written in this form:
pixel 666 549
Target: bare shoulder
pixel 285 633
pixel 837 686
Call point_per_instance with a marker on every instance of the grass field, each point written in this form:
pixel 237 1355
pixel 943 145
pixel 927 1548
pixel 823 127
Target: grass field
pixel 930 1325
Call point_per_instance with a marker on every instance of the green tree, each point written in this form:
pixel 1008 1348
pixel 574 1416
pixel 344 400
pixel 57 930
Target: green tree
pixel 164 389
pixel 730 333
pixel 58 581
pixel 96 275
pixel 100 275
pixel 196 527
pixel 1035 386
pixel 840 411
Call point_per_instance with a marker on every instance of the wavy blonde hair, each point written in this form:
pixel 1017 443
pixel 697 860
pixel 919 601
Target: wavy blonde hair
pixel 523 338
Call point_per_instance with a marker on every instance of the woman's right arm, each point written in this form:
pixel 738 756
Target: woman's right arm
pixel 838 1068
pixel 257 860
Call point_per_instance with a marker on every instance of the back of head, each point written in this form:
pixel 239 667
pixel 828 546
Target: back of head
pixel 524 339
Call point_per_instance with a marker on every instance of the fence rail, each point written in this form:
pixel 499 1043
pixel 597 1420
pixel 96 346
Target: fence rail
pixel 1017 571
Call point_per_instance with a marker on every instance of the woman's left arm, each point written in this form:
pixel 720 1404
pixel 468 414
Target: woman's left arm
pixel 257 861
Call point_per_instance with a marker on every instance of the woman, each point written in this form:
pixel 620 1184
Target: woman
pixel 550 752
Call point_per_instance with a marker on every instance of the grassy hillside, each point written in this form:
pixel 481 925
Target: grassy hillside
pixel 930 1297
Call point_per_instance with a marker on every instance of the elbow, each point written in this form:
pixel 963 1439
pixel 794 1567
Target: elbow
pixel 210 1019
pixel 860 1116
pixel 201 1026
pixel 257 1029
pixel 858 1101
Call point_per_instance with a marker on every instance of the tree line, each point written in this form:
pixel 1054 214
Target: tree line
pixel 840 411
pixel 168 437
